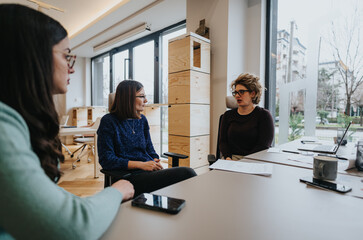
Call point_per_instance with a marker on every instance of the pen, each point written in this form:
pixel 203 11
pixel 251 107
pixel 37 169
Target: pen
pixel 287 151
pixel 307 141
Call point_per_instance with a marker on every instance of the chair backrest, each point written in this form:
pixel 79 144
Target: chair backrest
pixel 63 121
pixel 231 103
pixel 111 99
pixel 97 123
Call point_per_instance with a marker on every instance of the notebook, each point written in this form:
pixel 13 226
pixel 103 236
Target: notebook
pixel 329 149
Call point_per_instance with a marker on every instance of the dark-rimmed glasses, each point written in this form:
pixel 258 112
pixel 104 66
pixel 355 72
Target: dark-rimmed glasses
pixel 141 96
pixel 239 92
pixel 71 58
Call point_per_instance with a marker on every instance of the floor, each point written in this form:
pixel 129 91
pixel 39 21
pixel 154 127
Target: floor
pixel 81 182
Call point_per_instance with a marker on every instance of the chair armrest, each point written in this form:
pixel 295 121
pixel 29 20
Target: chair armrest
pixel 170 154
pixel 175 158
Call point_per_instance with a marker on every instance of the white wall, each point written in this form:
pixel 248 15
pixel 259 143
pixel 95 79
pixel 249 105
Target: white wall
pixel 236 39
pixel 75 96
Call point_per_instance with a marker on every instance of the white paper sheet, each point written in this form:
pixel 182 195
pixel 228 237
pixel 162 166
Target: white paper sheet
pixel 347 164
pixel 243 167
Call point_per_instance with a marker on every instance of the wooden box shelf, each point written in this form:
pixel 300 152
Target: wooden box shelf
pixel 189 52
pixel 189 99
pixel 189 119
pixel 197 148
pixel 189 87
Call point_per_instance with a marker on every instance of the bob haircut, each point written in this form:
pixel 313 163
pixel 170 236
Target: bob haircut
pixel 124 105
pixel 26 77
pixel 251 82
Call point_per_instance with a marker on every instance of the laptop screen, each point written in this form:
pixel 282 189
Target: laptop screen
pixel 345 133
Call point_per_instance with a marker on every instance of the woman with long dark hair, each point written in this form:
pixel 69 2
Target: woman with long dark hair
pixel 124 143
pixel 35 63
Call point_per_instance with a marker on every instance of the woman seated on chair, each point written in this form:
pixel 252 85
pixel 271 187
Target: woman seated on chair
pixel 248 128
pixel 124 142
pixel 35 64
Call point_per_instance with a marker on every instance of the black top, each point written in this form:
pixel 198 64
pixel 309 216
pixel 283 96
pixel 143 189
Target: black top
pixel 245 134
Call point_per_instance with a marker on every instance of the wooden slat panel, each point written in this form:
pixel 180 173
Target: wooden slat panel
pixel 179 55
pixel 189 119
pixel 189 87
pixel 197 148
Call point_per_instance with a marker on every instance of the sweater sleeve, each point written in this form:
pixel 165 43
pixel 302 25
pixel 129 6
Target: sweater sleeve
pixel 106 146
pixel 223 138
pixel 31 205
pixel 149 145
pixel 266 131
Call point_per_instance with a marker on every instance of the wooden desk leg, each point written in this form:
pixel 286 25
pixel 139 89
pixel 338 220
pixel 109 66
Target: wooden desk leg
pixel 95 162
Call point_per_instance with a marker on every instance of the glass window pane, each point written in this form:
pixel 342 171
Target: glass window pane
pixel 318 62
pixel 101 81
pixel 143 63
pixel 120 67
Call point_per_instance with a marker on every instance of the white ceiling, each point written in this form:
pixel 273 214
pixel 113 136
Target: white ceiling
pixel 91 22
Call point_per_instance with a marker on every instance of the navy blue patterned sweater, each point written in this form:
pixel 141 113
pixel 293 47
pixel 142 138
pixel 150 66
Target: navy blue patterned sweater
pixel 121 141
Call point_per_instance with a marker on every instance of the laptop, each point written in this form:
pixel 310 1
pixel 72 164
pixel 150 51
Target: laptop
pixel 329 149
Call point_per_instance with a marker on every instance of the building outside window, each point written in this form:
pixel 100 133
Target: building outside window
pixel 317 67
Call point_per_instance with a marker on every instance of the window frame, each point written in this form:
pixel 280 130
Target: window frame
pixel 156 36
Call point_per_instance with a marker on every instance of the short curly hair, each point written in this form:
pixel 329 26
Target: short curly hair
pixel 251 82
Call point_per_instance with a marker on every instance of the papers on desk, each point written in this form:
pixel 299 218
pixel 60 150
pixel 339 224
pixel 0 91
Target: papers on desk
pixel 307 158
pixel 347 164
pixel 243 167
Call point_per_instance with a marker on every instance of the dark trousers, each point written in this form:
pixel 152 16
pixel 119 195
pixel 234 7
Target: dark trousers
pixel 146 182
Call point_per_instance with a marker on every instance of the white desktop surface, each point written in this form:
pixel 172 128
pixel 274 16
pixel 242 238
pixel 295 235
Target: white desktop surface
pixel 228 205
pixel 285 158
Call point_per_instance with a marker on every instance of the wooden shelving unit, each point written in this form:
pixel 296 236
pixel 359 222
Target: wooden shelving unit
pixel 189 99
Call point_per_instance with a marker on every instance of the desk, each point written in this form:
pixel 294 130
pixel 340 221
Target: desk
pixel 227 205
pixel 284 158
pixel 83 131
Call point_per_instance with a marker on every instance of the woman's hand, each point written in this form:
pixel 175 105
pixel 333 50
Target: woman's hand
pixel 151 165
pixel 126 188
pixel 158 161
pixel 228 158
pixel 146 166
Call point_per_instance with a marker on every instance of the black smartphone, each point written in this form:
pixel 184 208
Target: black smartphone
pixel 158 203
pixel 327 185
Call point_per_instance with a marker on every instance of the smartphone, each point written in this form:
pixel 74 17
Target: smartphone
pixel 327 185
pixel 158 203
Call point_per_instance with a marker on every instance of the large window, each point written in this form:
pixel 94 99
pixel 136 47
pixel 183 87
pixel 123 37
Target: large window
pixel 101 87
pixel 144 67
pixel 144 60
pixel 315 67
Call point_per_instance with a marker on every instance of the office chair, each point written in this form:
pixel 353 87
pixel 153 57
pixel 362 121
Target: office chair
pixel 231 103
pixel 122 174
pixel 63 123
pixel 86 142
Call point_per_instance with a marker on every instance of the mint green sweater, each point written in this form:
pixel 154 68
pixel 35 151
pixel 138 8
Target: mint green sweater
pixel 34 207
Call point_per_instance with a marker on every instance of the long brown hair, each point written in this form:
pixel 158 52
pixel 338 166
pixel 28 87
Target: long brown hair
pixel 124 105
pixel 26 77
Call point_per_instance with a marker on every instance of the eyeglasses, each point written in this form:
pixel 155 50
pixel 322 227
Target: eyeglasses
pixel 71 58
pixel 141 96
pixel 239 92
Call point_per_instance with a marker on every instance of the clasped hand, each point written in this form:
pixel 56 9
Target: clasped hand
pixel 152 165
